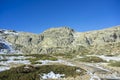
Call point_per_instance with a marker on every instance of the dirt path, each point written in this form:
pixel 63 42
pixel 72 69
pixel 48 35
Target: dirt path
pixel 95 71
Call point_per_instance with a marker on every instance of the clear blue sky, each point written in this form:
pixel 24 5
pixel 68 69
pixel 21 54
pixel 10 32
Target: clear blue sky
pixel 38 15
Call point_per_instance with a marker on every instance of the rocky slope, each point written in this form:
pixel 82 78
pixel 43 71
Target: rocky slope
pixel 62 40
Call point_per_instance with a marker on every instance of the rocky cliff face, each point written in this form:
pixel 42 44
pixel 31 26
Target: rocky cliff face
pixel 64 40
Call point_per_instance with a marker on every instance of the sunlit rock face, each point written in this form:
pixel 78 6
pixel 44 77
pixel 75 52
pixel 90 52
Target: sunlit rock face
pixel 65 40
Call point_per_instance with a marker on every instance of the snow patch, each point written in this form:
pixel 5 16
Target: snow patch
pixel 93 76
pixel 52 75
pixel 108 58
pixel 57 61
pixel 3 68
pixel 14 57
pixel 9 47
pixel 102 68
pixel 10 33
pixel 11 60
pixel 98 67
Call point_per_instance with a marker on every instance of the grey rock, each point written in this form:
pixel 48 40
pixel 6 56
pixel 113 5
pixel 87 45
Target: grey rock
pixel 65 40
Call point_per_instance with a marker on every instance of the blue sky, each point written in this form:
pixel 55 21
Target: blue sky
pixel 38 15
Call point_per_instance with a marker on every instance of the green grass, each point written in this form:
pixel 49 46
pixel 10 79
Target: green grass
pixel 34 62
pixel 43 57
pixel 37 57
pixel 16 55
pixel 33 73
pixel 65 55
pixel 91 59
pixel 18 59
pixel 109 55
pixel 114 63
pixel 3 59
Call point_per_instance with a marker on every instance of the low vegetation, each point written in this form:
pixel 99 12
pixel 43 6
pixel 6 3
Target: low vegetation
pixel 3 60
pixel 43 56
pixel 15 59
pixel 109 55
pixel 91 59
pixel 33 73
pixel 9 55
pixel 32 57
pixel 36 57
pixel 35 62
pixel 114 63
pixel 65 55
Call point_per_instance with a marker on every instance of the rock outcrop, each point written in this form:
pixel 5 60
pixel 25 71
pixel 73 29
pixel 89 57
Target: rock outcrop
pixel 65 40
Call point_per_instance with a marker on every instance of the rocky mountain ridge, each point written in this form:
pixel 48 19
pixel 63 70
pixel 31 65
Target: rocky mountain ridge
pixel 64 40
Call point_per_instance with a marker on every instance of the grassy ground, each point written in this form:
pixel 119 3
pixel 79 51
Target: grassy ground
pixel 91 59
pixel 36 57
pixel 33 57
pixel 33 73
pixel 67 55
pixel 11 55
pixel 3 60
pixel 114 63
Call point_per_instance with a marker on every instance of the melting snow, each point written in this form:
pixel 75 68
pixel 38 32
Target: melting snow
pixel 93 76
pixel 9 45
pixel 10 33
pixel 58 61
pixel 19 59
pixel 109 58
pixel 102 68
pixel 11 60
pixel 14 57
pixel 3 68
pixel 52 75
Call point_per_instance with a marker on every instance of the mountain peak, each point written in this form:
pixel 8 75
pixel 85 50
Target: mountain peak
pixel 64 40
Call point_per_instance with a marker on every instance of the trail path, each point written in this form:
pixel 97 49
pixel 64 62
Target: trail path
pixel 95 71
